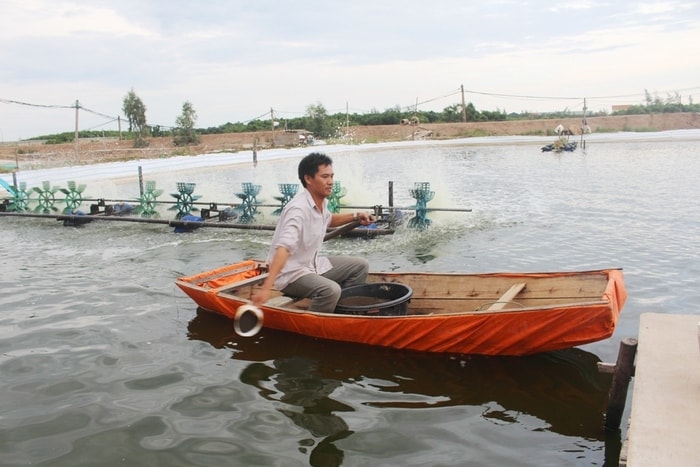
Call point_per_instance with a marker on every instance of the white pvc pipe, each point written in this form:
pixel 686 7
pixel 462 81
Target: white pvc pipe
pixel 248 320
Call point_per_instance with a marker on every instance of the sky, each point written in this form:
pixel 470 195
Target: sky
pixel 238 60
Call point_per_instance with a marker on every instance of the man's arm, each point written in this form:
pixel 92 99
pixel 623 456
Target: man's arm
pixel 262 294
pixel 346 218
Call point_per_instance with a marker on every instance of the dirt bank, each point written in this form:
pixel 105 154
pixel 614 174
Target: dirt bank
pixel 110 149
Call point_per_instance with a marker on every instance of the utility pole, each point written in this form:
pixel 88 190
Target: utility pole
pixel 119 125
pixel 77 133
pixel 584 124
pixel 272 120
pixel 464 107
pixel 347 120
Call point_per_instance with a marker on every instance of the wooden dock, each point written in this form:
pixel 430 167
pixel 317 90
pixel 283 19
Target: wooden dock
pixel 665 415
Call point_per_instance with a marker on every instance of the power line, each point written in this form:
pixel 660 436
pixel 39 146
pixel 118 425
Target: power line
pixel 100 125
pixel 97 113
pixel 49 106
pixel 516 96
pixel 494 94
pixel 10 101
pixel 411 106
pixel 256 118
pixel 451 93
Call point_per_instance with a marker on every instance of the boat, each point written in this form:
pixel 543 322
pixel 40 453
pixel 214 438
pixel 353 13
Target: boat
pixel 560 146
pixel 486 314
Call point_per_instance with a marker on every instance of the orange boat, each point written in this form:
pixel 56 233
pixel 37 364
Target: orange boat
pixel 487 314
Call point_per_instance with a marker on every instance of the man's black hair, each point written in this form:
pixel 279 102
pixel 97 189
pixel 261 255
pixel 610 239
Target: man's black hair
pixel 309 165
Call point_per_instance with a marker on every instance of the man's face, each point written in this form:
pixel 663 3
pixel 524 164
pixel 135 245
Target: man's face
pixel 322 183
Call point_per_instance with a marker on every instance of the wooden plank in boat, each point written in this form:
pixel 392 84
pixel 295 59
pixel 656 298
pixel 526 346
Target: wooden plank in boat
pixel 279 301
pixel 507 297
pixel 302 304
pixel 250 281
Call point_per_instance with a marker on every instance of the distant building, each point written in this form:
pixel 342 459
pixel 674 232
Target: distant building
pixel 293 138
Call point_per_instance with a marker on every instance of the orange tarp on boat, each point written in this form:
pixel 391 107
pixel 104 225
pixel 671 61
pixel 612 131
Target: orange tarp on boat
pixel 506 332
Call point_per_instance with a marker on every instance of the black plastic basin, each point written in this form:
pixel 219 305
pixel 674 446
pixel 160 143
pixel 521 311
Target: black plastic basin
pixel 375 299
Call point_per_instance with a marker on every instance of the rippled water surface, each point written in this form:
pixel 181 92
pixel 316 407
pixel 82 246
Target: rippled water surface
pixel 104 362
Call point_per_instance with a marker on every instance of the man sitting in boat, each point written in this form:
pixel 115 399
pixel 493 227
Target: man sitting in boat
pixel 294 265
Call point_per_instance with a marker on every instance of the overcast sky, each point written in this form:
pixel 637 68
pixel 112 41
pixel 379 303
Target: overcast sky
pixel 234 60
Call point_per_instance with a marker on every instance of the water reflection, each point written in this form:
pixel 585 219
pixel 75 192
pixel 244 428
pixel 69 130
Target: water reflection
pixel 560 392
pixel 297 383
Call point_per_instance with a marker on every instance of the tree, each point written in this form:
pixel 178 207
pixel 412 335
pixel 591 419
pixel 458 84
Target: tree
pixel 472 114
pixel 185 133
pixel 453 113
pixel 648 98
pixel 135 112
pixel 317 120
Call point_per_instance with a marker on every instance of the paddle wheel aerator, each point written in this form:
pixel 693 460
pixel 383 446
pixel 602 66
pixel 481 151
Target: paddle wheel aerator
pixel 421 192
pixel 249 202
pixel 185 199
pixel 148 200
pixel 74 196
pixel 288 191
pixel 334 199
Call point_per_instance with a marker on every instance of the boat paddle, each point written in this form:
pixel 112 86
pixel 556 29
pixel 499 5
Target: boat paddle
pixel 248 319
pixel 341 230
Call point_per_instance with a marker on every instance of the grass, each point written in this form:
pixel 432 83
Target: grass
pixel 626 129
pixel 640 129
pixel 475 133
pixel 539 133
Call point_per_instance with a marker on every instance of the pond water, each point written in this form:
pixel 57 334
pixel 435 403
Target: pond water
pixel 103 361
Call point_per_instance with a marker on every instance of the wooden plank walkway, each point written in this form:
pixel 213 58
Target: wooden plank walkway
pixel 665 415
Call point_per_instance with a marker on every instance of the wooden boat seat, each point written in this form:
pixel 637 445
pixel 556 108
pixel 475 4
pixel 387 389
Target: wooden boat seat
pixel 251 281
pixel 280 301
pixel 302 303
pixel 277 297
pixel 507 297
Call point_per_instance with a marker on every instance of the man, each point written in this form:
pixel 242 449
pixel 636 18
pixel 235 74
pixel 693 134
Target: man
pixel 294 266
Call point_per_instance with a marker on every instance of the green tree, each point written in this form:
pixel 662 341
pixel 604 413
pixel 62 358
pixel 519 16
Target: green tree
pixel 317 120
pixel 473 115
pixel 453 113
pixel 135 112
pixel 185 133
pixel 648 98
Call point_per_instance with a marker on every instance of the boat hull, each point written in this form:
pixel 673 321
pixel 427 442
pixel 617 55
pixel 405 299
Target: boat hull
pixel 436 323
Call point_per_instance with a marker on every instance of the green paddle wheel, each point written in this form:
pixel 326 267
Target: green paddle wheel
pixel 47 198
pixel 422 194
pixel 337 193
pixel 20 198
pixel 148 200
pixel 185 199
pixel 288 191
pixel 249 203
pixel 74 196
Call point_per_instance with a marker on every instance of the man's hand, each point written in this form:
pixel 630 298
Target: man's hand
pixel 365 218
pixel 260 296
